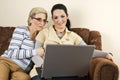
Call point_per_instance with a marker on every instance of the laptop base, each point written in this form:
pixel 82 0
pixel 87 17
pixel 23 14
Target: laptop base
pixel 66 78
pixel 39 70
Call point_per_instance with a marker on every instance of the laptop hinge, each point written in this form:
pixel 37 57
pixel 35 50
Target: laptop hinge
pixel 67 78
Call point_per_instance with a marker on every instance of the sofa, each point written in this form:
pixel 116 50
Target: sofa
pixel 100 68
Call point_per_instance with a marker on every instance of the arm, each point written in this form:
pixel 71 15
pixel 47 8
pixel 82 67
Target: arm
pixel 15 50
pixel 40 38
pixel 97 53
pixel 38 44
pixel 39 49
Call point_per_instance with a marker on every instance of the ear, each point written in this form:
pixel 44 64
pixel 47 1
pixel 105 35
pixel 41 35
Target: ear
pixel 67 17
pixel 30 20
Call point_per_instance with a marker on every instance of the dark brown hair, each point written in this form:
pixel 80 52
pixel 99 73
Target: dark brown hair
pixel 63 7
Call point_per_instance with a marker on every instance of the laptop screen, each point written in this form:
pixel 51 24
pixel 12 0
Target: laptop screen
pixel 66 60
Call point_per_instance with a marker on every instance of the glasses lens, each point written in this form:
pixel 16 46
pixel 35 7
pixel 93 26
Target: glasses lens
pixel 40 19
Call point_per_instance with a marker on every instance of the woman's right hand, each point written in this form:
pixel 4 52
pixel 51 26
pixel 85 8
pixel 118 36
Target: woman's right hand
pixel 110 57
pixel 40 51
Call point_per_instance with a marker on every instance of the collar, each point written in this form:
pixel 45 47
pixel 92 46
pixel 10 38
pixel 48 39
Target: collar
pixel 53 36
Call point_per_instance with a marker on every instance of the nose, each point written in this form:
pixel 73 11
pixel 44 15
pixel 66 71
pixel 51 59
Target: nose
pixel 42 23
pixel 59 20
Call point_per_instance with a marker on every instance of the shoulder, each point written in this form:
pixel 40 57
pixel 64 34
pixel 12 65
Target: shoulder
pixel 43 32
pixel 46 30
pixel 74 34
pixel 21 28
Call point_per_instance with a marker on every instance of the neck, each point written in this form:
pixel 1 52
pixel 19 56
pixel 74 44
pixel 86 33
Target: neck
pixel 62 30
pixel 33 32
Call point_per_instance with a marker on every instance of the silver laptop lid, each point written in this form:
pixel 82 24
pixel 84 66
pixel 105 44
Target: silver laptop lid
pixel 66 60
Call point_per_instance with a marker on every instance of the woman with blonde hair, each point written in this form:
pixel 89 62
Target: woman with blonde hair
pixel 16 62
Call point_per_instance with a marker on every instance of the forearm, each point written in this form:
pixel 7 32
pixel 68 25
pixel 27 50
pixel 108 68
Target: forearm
pixel 96 53
pixel 39 49
pixel 38 44
pixel 20 54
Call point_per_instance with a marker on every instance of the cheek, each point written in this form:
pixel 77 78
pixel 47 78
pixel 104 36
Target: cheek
pixel 35 22
pixel 54 21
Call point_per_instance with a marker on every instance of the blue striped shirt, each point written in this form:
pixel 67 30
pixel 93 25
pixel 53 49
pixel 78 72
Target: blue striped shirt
pixel 21 48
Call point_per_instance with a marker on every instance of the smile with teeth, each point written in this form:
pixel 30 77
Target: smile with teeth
pixel 61 23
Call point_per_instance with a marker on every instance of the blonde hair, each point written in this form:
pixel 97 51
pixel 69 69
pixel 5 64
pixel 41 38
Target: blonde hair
pixel 35 11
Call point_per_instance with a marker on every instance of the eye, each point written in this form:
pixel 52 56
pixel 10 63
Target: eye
pixel 39 19
pixel 62 16
pixel 45 20
pixel 56 17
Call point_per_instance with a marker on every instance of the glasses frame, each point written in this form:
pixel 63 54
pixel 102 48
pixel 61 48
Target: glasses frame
pixel 40 19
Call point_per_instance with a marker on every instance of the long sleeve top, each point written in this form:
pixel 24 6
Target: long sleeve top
pixel 49 36
pixel 21 47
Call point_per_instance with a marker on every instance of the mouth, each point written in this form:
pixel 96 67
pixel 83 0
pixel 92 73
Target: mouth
pixel 40 27
pixel 60 24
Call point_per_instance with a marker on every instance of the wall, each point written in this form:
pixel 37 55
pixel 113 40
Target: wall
pixel 101 15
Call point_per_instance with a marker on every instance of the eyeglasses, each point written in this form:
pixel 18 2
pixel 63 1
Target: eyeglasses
pixel 40 19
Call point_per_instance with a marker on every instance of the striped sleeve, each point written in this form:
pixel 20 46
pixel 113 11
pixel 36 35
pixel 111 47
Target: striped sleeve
pixel 15 50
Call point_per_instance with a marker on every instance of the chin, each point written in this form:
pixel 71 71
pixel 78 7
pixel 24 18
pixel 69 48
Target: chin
pixel 40 29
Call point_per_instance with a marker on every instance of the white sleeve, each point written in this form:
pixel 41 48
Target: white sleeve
pixel 38 44
pixel 96 53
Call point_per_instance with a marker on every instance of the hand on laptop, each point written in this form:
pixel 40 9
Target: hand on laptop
pixel 40 51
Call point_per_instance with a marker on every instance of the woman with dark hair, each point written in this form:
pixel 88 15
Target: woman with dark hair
pixel 62 7
pixel 60 33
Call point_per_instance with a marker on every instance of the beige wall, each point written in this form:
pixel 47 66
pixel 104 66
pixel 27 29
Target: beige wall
pixel 101 15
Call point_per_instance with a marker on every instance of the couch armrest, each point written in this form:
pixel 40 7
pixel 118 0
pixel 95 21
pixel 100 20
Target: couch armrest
pixel 103 69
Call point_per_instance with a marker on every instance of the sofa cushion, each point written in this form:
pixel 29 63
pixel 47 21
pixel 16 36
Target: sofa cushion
pixel 5 37
pixel 95 39
pixel 83 32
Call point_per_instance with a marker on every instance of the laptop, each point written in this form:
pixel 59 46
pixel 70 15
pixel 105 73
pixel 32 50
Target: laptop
pixel 66 61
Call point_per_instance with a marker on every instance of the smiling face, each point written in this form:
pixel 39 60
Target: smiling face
pixel 59 18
